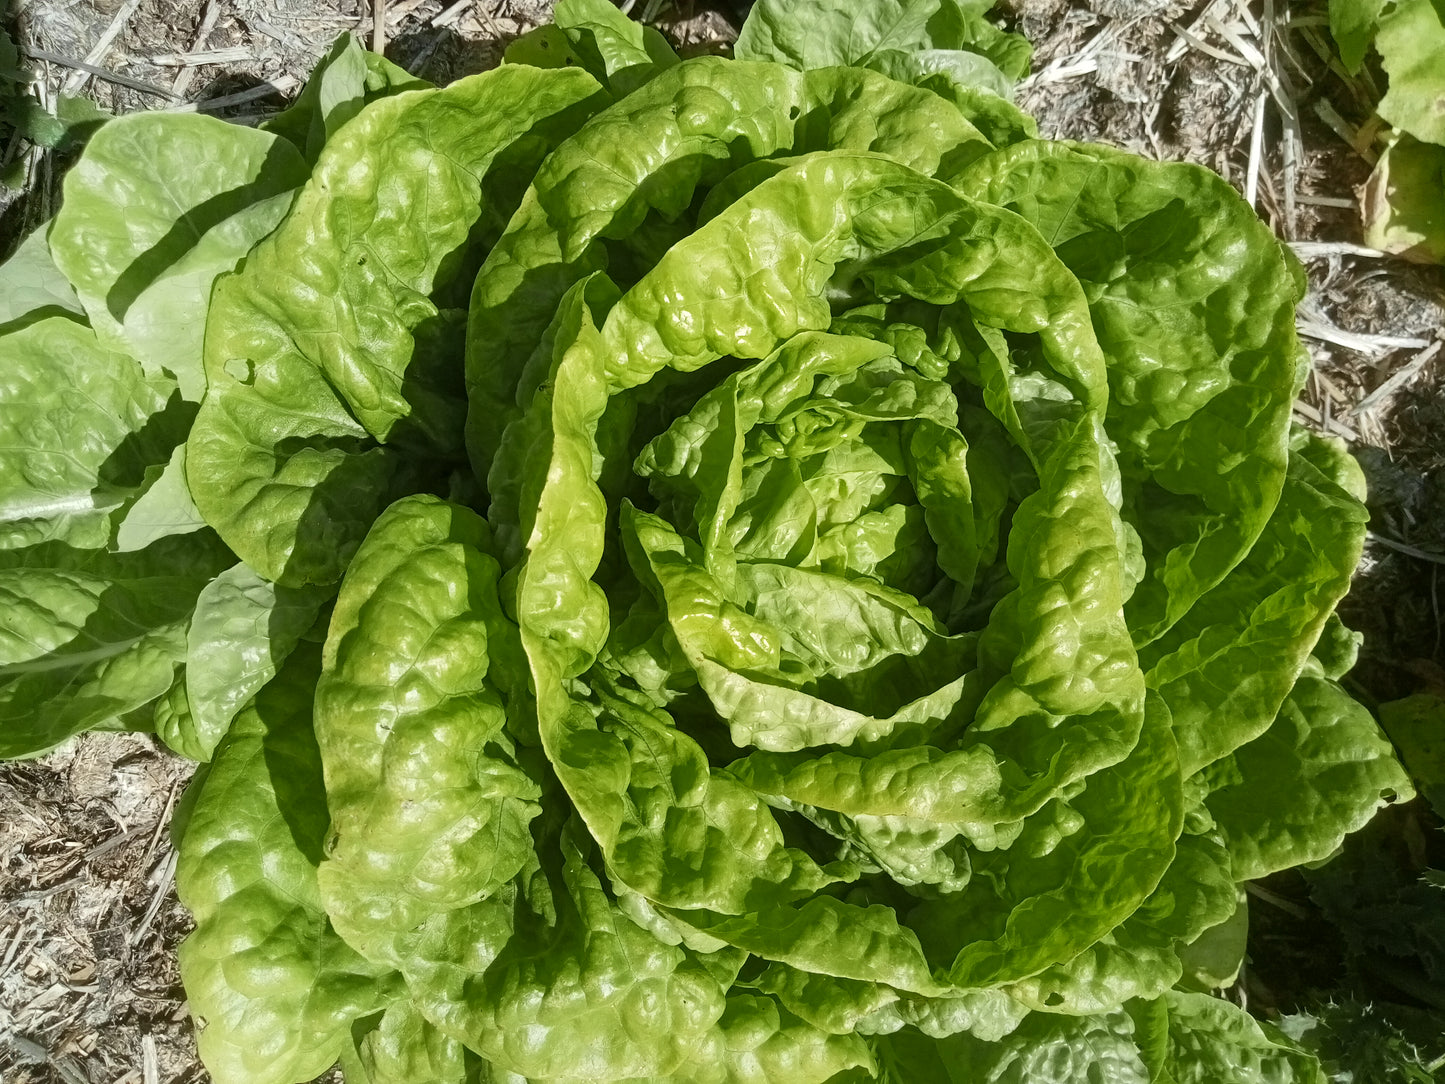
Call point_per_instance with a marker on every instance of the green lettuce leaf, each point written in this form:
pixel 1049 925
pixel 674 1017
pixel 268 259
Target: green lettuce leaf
pixel 1045 1049
pixel 547 1005
pixel 243 628
pixel 165 508
pixel 344 82
pixel 704 115
pixel 272 989
pixel 81 427
pixel 31 286
pixel 292 456
pixel 1401 202
pixel 831 33
pixel 91 636
pixel 143 250
pixel 1416 728
pixel 1212 1040
pixel 620 54
pixel 1353 24
pixel 757 1042
pixel 935 43
pixel 429 806
pixel 1319 772
pixel 1196 362
pixel 1410 39
pixel 1227 666
pixel 1144 955
pixel 399 1046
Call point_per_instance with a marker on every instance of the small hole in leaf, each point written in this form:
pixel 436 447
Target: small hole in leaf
pixel 793 113
pixel 241 371
pixel 1390 794
pixel 1055 998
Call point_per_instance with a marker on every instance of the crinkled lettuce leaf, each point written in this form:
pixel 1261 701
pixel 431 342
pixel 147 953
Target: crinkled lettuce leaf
pixel 344 81
pixel 272 989
pixel 155 210
pixel 331 351
pixel 91 636
pixel 84 430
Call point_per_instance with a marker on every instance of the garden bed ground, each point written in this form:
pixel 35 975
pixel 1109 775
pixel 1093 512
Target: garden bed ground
pixel 89 922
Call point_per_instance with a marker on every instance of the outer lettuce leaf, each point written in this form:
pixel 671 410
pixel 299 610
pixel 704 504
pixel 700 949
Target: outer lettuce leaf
pixel 961 25
pixel 143 251
pixel 1183 1038
pixel 398 1046
pixel 1319 772
pixel 1353 24
pixel 1211 1040
pixel 1196 361
pixel 831 33
pixel 31 286
pixel 759 1043
pixel 272 989
pixel 1227 666
pixel 1338 648
pixel 164 509
pixel 953 65
pixel 548 1005
pixel 1416 728
pixel 1402 200
pixel 329 343
pixel 90 636
pixel 828 936
pixel 1214 960
pixel 619 53
pixel 1039 902
pixel 80 428
pixel 1044 1050
pixel 345 81
pixel 243 628
pixel 1141 958
pixel 1410 39
pixel 845 1006
pixel 908 40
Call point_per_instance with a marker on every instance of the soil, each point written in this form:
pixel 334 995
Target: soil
pixel 89 924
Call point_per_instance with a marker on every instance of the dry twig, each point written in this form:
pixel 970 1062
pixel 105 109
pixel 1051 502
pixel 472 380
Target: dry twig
pixel 74 81
pixel 1406 548
pixel 1397 380
pixel 281 85
pixel 87 68
pixel 209 17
